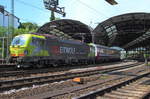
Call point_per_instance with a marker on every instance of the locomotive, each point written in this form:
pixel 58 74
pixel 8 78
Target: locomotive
pixel 39 50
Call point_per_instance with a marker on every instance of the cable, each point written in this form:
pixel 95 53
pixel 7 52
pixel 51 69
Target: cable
pixel 27 4
pixel 30 5
pixel 27 20
pixel 91 8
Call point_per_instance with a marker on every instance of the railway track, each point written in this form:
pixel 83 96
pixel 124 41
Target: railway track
pixel 137 87
pixel 90 84
pixel 27 82
pixel 7 67
pixel 22 73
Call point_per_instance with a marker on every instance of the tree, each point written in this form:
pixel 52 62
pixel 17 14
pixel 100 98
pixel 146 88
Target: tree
pixel 20 31
pixel 28 26
pixel 25 28
pixel 2 31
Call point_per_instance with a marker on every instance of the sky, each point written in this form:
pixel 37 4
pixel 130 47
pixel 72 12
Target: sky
pixel 90 12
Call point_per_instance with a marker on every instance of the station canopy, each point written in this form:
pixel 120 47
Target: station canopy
pixel 73 28
pixel 127 31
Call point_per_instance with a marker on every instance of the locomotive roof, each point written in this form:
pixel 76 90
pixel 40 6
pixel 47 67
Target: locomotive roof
pixel 63 40
pixel 72 42
pixel 46 35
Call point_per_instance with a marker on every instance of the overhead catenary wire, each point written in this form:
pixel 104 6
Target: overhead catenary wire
pixel 38 8
pixel 79 1
pixel 9 14
pixel 88 6
pixel 31 5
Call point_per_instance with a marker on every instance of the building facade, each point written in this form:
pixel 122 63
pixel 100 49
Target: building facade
pixel 5 18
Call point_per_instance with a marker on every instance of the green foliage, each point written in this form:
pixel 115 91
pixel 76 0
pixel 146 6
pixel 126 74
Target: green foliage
pixel 24 28
pixel 29 26
pixel 2 31
pixel 19 31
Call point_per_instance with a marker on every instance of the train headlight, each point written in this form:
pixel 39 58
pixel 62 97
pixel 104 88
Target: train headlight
pixel 18 66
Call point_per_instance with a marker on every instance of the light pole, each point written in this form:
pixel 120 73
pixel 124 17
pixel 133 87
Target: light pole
pixel 92 34
pixel 3 46
pixel 91 31
pixel 7 35
pixel 12 19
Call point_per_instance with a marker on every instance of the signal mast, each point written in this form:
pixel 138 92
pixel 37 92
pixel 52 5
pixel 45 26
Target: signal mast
pixel 53 6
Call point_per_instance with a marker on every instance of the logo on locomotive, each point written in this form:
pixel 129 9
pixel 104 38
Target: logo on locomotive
pixel 62 50
pixel 68 50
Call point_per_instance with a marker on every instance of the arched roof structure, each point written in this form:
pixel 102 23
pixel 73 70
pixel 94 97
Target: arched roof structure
pixel 73 28
pixel 127 31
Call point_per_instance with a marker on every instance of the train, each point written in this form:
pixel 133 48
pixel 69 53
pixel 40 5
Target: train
pixel 40 50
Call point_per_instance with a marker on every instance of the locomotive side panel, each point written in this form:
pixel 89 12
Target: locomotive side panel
pixel 66 50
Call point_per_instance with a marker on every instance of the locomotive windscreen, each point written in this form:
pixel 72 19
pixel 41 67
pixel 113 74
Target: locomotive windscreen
pixel 19 40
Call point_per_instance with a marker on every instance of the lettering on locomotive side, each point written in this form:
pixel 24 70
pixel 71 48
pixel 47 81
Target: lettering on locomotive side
pixel 68 50
pixel 55 49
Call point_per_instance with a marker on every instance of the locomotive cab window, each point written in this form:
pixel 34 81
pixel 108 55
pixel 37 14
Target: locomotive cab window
pixel 19 40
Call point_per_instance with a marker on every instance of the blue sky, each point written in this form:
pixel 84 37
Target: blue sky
pixel 89 12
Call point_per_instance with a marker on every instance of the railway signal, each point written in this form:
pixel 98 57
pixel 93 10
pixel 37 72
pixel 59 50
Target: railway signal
pixel 53 6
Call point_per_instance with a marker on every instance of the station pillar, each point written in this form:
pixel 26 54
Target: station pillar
pixel 146 56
